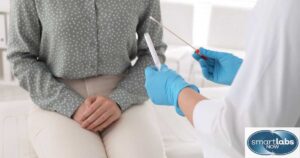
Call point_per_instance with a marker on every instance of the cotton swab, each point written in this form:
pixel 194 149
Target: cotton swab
pixel 197 51
pixel 172 32
pixel 152 51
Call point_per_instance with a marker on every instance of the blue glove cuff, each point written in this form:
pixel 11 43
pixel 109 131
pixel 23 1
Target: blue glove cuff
pixel 179 87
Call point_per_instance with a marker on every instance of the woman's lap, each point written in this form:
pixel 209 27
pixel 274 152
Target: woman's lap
pixel 54 135
pixel 135 135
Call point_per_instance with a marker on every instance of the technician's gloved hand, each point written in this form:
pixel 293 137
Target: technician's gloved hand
pixel 163 87
pixel 219 67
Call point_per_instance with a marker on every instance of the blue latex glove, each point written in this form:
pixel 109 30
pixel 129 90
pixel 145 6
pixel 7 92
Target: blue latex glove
pixel 163 87
pixel 219 67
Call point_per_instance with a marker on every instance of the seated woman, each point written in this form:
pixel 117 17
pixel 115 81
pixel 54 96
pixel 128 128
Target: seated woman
pixel 74 58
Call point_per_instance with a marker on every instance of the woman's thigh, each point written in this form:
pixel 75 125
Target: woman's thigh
pixel 56 136
pixel 135 135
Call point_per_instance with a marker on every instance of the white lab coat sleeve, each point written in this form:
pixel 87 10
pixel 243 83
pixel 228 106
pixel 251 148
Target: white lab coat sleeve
pixel 265 92
pixel 217 122
pixel 207 121
pixel 205 113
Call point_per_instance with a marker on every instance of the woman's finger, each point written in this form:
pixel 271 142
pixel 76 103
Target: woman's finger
pixel 92 108
pixel 94 115
pixel 101 119
pixel 105 124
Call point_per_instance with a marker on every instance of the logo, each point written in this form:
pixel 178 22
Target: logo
pixel 265 142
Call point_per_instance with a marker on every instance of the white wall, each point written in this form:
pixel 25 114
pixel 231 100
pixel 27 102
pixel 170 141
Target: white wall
pixel 4 5
pixel 191 18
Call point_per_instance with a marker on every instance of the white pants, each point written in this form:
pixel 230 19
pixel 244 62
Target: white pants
pixel 135 135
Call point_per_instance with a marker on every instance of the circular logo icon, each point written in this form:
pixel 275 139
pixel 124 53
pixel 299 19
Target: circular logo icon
pixel 278 142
